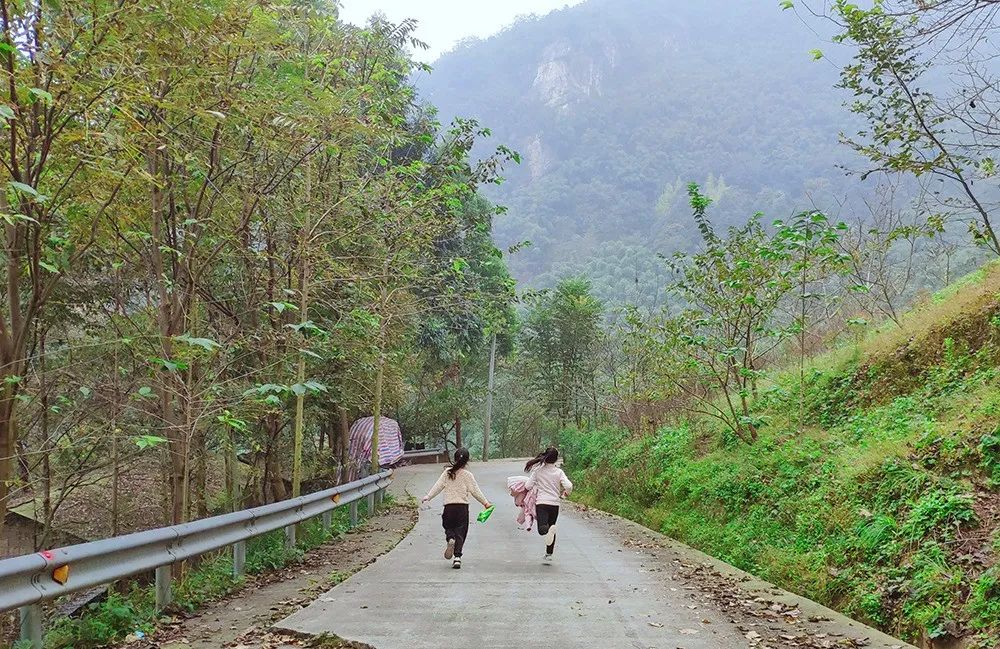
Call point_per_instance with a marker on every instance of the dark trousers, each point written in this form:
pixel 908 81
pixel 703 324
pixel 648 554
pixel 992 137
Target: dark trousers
pixel 455 521
pixel 547 516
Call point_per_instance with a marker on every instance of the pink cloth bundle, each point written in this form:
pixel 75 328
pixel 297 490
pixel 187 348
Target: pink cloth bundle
pixel 524 499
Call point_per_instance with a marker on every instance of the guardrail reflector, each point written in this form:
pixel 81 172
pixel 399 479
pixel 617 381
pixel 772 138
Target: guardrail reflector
pixel 61 575
pixel 335 498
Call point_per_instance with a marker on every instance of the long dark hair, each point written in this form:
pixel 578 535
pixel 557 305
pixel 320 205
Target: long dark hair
pixel 548 456
pixel 461 459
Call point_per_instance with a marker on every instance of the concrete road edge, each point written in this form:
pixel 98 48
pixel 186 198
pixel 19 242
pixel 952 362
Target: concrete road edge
pixel 838 622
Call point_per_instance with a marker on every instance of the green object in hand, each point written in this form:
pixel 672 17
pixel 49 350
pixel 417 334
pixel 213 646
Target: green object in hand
pixel 485 514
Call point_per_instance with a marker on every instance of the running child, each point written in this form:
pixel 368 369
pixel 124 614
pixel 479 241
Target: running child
pixel 456 483
pixel 551 484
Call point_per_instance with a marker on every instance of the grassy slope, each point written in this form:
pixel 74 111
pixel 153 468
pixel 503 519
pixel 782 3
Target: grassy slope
pixel 883 504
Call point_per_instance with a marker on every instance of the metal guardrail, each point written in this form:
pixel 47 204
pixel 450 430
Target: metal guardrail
pixel 28 580
pixel 430 452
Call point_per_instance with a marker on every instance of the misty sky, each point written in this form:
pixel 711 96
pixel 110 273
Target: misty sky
pixel 445 22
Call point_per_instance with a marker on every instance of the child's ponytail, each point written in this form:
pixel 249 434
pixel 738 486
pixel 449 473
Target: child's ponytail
pixel 548 456
pixel 461 459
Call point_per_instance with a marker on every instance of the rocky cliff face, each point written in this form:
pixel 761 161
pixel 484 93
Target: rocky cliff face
pixel 536 157
pixel 567 75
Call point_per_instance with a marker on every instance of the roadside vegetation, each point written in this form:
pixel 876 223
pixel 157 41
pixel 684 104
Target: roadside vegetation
pixel 882 503
pixel 130 610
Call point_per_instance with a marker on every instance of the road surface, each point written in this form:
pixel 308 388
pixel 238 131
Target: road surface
pixel 593 595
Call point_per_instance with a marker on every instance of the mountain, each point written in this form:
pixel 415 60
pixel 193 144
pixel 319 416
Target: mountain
pixel 615 105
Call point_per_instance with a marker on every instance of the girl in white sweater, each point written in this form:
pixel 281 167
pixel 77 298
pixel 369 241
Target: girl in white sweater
pixel 552 485
pixel 457 483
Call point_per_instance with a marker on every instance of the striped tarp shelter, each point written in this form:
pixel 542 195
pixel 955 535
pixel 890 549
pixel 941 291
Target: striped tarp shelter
pixel 390 440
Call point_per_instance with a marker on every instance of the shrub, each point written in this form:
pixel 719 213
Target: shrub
pixel 105 622
pixel 938 513
pixel 984 601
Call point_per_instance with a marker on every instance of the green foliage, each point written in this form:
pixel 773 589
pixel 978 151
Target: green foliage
pixel 121 614
pixel 267 218
pixel 933 590
pixel 938 513
pixel 989 450
pixel 907 128
pixel 861 510
pixel 984 604
pixel 105 622
pixel 733 293
pixel 559 339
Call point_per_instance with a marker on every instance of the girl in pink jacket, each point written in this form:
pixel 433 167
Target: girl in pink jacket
pixel 552 485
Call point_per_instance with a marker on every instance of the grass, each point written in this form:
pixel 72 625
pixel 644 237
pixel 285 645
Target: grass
pixel 133 609
pixel 863 506
pixel 952 304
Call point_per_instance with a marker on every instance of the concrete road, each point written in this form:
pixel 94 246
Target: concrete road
pixel 593 595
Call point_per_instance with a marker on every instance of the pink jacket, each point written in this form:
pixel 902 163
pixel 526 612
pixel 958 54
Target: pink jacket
pixel 524 499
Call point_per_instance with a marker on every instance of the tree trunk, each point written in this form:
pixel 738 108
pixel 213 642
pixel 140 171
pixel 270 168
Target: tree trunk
pixel 380 371
pixel 274 481
pixel 8 434
pixel 199 500
pixel 377 410
pixel 345 442
pixel 233 485
pixel 115 479
pixel 173 458
pixel 46 451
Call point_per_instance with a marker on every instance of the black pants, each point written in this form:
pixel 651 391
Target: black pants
pixel 547 517
pixel 455 521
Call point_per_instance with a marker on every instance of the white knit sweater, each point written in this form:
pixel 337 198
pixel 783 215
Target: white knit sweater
pixel 457 491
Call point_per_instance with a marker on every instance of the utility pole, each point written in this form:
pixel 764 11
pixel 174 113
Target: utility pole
pixel 489 401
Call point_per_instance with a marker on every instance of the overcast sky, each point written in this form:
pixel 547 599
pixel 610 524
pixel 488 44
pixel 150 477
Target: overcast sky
pixel 445 22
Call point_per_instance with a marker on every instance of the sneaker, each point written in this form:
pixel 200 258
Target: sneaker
pixel 456 564
pixel 550 538
pixel 449 551
pixel 547 560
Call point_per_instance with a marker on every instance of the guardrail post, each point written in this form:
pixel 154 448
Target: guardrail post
pixel 379 495
pixel 31 625
pixel 354 514
pixel 327 520
pixel 239 558
pixel 164 594
pixel 290 537
pixel 371 505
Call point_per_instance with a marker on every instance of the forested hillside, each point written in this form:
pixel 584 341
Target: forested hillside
pixel 615 105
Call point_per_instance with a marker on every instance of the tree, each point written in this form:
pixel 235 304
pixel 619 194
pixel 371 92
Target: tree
pixel 63 69
pixel 910 129
pixel 809 243
pixel 560 333
pixel 887 247
pixel 213 245
pixel 731 292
